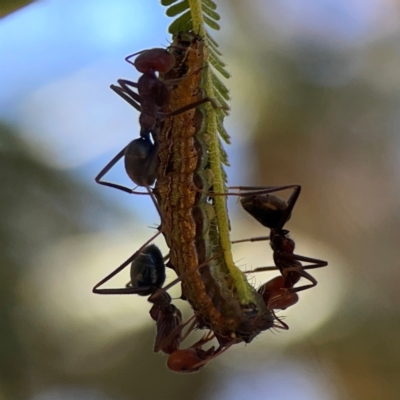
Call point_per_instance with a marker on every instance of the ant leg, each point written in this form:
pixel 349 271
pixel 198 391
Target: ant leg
pixel 217 353
pixel 261 269
pixel 281 324
pixel 253 239
pixel 107 168
pixel 179 279
pixel 126 85
pixel 315 263
pixel 191 327
pixel 126 290
pixel 127 94
pixel 193 105
pixel 172 82
pixel 205 339
pixel 166 341
pixel 115 185
pixel 288 211
pixel 251 190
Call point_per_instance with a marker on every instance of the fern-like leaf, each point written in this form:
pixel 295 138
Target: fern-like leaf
pixel 168 2
pixel 193 16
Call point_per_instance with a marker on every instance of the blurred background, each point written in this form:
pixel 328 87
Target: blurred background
pixel 315 101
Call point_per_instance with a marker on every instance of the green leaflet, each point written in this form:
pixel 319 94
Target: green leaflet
pixel 218 64
pixel 210 4
pixel 178 8
pixel 168 2
pixel 211 23
pixel 218 84
pixel 182 24
pixel 212 14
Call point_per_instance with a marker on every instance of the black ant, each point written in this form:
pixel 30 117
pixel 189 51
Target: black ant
pixel 147 278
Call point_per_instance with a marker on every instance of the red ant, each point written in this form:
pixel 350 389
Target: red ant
pixel 273 213
pixel 140 155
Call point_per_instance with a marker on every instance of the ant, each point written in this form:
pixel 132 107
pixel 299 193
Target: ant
pixel 273 213
pixel 140 155
pixel 147 278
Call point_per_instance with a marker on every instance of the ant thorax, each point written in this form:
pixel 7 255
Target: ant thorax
pixel 280 242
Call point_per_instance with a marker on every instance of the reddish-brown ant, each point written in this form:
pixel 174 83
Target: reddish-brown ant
pixel 141 154
pixel 273 213
pixel 153 94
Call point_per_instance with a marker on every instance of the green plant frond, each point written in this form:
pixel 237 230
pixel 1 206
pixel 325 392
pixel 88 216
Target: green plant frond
pixel 178 8
pixel 218 84
pixel 218 65
pixel 216 58
pixel 192 16
pixel 213 45
pixel 210 4
pixel 213 42
pixel 168 2
pixel 211 23
pixel 222 103
pixel 212 14
pixel 224 155
pixel 222 131
pixel 182 24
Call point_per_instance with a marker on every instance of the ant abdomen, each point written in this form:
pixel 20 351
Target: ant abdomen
pixel 148 269
pixel 140 156
pixel 267 209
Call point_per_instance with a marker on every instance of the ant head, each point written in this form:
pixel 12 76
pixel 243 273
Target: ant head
pixel 154 60
pixel 148 268
pixel 184 360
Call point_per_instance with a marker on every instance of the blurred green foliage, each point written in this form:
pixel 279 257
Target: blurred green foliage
pixel 9 6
